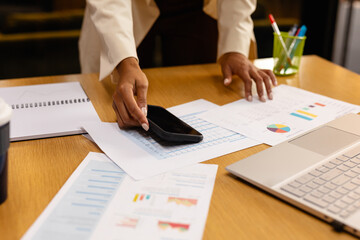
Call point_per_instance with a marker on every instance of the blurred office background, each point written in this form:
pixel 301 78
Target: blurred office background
pixel 40 37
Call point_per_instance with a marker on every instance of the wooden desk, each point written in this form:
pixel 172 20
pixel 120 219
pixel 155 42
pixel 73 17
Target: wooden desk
pixel 38 168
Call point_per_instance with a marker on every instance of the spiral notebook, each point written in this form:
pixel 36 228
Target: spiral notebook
pixel 47 110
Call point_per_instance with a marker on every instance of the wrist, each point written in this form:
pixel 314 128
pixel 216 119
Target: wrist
pixel 128 62
pixel 231 56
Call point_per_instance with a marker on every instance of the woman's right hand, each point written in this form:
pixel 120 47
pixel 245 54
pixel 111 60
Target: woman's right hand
pixel 129 99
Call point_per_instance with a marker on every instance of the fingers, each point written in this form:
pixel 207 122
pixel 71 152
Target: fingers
pixel 141 89
pixel 130 110
pixel 268 88
pixel 130 106
pixel 272 76
pixel 239 64
pixel 248 85
pixel 232 63
pixel 118 117
pixel 261 78
pixel 266 80
pixel 124 117
pixel 258 78
pixel 227 73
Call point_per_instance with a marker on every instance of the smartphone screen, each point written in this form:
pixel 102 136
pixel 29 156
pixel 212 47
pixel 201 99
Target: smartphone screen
pixel 170 127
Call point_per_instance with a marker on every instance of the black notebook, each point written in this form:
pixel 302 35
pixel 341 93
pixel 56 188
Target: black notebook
pixel 47 110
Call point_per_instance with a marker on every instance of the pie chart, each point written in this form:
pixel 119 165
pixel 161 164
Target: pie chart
pixel 278 128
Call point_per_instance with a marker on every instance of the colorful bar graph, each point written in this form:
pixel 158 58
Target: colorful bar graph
pixel 307 113
pixel 301 116
pixel 136 197
pixel 177 226
pixel 183 201
pixel 141 197
pixel 320 104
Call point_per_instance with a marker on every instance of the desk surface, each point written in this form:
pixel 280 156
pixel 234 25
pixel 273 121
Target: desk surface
pixel 38 168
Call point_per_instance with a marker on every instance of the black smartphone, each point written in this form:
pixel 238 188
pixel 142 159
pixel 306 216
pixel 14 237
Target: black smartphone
pixel 170 128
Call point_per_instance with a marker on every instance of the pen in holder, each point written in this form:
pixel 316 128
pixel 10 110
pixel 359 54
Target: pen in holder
pixel 294 46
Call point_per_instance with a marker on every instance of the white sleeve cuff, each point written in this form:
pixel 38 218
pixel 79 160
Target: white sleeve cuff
pixel 235 26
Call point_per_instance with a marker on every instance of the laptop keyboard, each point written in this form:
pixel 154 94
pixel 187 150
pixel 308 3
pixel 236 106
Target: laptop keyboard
pixel 334 186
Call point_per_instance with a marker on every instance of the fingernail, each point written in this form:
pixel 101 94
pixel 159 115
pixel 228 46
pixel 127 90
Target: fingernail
pixel 249 98
pixel 226 81
pixel 270 96
pixel 144 110
pixel 276 83
pixel 262 98
pixel 145 126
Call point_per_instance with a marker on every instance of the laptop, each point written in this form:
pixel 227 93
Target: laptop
pixel 318 171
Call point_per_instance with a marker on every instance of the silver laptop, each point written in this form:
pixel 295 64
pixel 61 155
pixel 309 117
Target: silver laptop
pixel 318 172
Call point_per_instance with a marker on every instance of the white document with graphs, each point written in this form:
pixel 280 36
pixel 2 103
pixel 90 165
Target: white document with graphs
pixel 141 154
pixel 100 201
pixel 292 112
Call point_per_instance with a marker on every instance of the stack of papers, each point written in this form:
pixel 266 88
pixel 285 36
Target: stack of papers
pixel 229 128
pixel 145 189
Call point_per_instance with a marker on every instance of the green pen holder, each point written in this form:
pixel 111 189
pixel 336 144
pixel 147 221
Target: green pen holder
pixel 286 64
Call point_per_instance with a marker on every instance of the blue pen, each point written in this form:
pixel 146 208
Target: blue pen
pixel 295 43
pixel 293 30
pixel 293 46
pixel 282 59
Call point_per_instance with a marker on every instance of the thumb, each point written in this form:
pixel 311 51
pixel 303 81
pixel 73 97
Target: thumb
pixel 227 74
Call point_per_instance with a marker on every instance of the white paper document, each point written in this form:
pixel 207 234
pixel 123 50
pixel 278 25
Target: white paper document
pixel 47 110
pixel 141 156
pixel 99 201
pixel 77 208
pixel 171 206
pixel 292 112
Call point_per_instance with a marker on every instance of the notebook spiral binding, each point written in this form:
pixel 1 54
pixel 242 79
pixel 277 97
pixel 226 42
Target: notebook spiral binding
pixel 49 103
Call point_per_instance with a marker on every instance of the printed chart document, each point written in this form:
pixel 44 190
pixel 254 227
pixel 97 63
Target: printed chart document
pixel 47 110
pixel 141 155
pixel 292 112
pixel 99 201
pixel 77 208
pixel 169 206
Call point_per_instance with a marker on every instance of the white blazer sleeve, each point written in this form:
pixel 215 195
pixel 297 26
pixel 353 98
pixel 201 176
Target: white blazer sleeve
pixel 235 26
pixel 114 24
